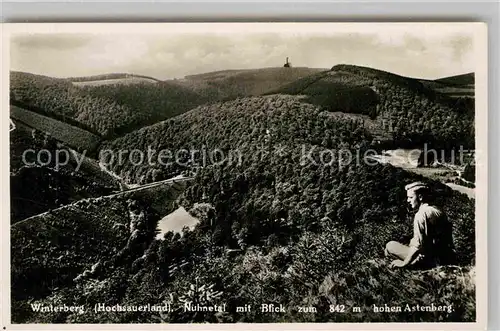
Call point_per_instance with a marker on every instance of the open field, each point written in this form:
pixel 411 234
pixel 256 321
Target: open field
pixel 238 83
pixel 117 81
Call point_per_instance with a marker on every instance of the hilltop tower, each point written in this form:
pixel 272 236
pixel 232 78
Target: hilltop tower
pixel 287 64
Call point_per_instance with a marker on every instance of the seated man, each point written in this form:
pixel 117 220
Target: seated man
pixel 432 242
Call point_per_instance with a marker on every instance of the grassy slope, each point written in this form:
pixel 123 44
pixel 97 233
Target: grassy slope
pixel 73 136
pixel 464 79
pixel 412 111
pixel 51 249
pixel 116 81
pixel 459 86
pixel 71 237
pixel 230 84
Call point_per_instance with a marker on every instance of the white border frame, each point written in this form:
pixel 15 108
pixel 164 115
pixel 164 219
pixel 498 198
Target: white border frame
pixel 481 188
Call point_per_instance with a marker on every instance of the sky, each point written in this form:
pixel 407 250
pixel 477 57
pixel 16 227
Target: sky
pixel 426 50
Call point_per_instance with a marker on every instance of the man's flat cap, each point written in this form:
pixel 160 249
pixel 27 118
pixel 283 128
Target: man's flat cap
pixel 416 186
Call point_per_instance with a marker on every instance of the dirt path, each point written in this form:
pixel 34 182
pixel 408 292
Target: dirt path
pixel 408 160
pixel 471 193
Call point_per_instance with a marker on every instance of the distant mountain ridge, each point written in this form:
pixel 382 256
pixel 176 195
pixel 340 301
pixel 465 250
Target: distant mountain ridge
pixel 116 109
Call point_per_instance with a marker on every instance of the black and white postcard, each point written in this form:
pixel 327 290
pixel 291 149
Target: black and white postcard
pixel 244 175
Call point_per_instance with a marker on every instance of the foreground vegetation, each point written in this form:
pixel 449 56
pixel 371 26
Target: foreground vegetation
pixel 300 259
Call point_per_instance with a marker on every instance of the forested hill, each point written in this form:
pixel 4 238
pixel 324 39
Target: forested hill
pixel 410 110
pixel 114 104
pixel 109 110
pixel 36 189
pixel 282 160
pixel 247 125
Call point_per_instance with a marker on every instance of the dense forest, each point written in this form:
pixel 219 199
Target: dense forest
pixel 241 128
pixel 108 76
pixel 413 111
pixel 109 110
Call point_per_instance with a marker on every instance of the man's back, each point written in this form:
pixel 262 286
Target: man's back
pixel 432 241
pixel 433 234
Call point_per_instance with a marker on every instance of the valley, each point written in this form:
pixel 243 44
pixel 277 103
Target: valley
pixel 271 227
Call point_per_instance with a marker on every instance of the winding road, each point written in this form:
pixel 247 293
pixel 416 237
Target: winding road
pixel 175 180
